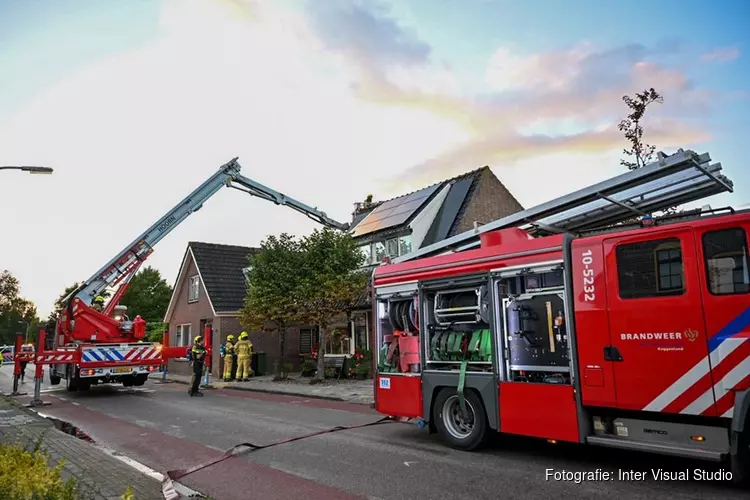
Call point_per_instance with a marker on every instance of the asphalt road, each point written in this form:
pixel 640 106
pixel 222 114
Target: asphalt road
pixel 163 428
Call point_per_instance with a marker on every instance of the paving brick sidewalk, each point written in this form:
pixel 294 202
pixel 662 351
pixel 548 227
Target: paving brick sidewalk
pixel 350 391
pixel 99 475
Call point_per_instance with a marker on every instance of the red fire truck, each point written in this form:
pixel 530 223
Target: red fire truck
pixel 89 346
pixel 632 337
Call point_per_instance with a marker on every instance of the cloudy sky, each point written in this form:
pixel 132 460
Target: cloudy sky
pixel 134 103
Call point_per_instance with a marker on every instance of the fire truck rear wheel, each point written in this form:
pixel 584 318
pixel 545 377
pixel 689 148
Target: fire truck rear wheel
pixel 464 432
pixel 71 383
pixel 739 464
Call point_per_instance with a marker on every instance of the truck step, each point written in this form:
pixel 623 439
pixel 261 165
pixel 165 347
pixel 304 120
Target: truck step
pixel 663 449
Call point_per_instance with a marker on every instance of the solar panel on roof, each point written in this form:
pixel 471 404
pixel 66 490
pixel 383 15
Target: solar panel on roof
pixel 394 212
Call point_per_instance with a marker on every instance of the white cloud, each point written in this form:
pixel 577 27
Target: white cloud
pixel 130 136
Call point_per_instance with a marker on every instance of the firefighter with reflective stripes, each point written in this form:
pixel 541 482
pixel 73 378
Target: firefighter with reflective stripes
pixel 227 352
pixel 243 348
pixel 98 304
pixel 198 357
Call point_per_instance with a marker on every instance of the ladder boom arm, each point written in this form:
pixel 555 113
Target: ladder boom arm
pixel 130 258
pixel 254 188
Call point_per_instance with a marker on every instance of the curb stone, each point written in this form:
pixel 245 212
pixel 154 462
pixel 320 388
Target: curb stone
pixel 282 393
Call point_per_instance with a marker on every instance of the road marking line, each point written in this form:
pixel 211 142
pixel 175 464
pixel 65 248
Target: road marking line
pixel 148 471
pixel 74 403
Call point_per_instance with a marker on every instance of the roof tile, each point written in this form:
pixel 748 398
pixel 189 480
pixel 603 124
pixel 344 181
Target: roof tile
pixel 221 271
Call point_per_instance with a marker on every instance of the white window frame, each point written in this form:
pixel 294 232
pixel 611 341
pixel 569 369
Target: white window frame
pixel 194 287
pixel 246 272
pixel 180 330
pixel 353 332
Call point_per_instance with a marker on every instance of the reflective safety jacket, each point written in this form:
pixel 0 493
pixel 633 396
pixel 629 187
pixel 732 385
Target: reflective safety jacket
pixel 198 353
pixel 227 349
pixel 243 348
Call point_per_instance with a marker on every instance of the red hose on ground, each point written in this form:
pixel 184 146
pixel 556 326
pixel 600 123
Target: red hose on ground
pixel 170 493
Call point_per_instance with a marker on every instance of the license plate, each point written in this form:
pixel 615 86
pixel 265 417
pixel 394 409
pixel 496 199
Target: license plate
pixel 123 370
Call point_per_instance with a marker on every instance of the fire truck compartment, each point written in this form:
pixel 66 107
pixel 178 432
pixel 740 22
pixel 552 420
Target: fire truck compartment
pixel 532 325
pixel 539 410
pixel 458 335
pixel 399 395
pixel 398 335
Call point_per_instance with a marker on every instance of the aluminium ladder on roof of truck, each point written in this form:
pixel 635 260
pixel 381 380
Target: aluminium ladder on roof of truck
pixel 683 177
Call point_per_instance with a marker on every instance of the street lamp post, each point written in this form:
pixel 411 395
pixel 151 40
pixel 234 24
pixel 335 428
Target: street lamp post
pixel 28 168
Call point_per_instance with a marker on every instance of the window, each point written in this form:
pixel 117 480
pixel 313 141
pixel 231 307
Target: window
pixel 361 332
pixel 182 335
pixel 404 245
pixel 246 272
pixel 194 288
pixel 308 340
pixel 650 269
pixel 338 341
pixel 392 248
pixel 726 257
pixel 379 250
pixel 367 253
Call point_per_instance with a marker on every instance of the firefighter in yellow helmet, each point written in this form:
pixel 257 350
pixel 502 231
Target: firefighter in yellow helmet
pixel 227 352
pixel 98 303
pixel 243 348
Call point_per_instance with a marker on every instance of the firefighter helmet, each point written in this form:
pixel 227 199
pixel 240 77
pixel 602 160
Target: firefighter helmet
pixel 230 338
pixel 197 339
pixel 243 335
pixel 99 300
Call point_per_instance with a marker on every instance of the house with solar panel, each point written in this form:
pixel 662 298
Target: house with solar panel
pixel 211 283
pixel 395 227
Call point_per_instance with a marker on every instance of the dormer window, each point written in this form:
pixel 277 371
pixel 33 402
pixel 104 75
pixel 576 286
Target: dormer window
pixel 246 272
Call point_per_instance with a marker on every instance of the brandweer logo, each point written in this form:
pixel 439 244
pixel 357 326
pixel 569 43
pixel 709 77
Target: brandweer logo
pixel 652 336
pixel 691 334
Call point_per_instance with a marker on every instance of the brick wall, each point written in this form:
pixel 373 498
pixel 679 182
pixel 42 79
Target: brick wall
pixel 491 201
pixel 187 313
pixel 262 341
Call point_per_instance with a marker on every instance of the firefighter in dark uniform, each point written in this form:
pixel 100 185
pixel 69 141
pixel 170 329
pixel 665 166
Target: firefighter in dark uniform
pixel 198 358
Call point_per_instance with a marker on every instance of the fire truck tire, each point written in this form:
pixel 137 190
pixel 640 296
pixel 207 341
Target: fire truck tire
pixel 140 380
pixel 739 464
pixel 71 383
pixel 463 433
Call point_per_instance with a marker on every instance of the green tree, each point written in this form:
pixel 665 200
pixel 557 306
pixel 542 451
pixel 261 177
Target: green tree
pixel 332 281
pixel 16 313
pixel 148 295
pixel 273 301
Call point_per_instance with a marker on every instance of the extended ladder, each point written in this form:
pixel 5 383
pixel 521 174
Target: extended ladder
pixel 683 177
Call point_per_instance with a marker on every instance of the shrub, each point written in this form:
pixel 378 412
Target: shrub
pixel 26 474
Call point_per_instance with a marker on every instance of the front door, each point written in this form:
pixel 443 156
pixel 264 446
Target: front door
pixel 656 322
pixel 726 297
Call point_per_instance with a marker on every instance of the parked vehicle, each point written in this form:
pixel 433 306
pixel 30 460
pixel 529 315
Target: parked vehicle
pixel 91 346
pixel 634 336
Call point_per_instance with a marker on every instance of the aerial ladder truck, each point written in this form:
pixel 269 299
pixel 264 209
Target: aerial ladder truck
pixel 92 347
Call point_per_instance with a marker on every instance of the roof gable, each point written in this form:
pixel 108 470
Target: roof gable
pixel 220 267
pixel 461 192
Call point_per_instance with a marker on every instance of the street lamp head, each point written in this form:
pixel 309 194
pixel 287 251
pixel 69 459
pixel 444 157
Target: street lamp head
pixel 29 169
pixel 37 170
